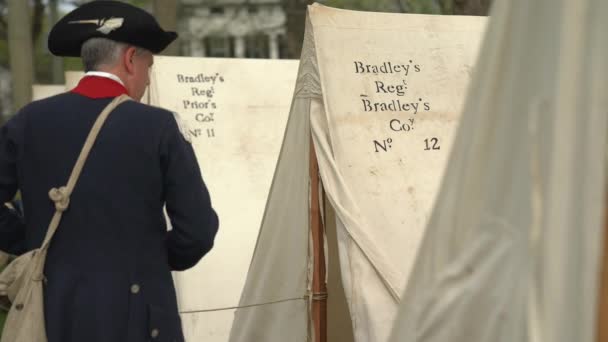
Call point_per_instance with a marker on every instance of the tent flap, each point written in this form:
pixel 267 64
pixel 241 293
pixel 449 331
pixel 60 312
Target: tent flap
pixel 512 248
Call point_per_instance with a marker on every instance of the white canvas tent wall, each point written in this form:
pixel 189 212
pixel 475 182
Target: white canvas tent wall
pixel 72 78
pixel 513 246
pixel 235 111
pixel 380 94
pixel 41 91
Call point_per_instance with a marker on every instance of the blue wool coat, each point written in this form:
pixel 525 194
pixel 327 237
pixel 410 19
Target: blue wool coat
pixel 109 264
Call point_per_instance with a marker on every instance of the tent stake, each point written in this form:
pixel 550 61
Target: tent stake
pixel 319 287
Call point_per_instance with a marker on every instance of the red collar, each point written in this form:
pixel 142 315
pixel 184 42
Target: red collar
pixel 97 87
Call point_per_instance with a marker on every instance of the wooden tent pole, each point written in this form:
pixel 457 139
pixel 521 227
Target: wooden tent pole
pixel 319 287
pixel 602 317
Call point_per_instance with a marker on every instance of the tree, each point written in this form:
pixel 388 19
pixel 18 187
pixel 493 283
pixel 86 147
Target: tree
pixel 37 19
pixel 166 13
pixel 57 72
pixel 20 51
pixel 471 7
pixel 295 11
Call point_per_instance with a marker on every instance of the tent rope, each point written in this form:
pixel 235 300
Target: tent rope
pixel 246 306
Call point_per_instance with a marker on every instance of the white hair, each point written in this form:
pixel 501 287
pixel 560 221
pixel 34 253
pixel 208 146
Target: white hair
pixel 98 52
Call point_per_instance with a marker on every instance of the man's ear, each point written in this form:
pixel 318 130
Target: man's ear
pixel 128 56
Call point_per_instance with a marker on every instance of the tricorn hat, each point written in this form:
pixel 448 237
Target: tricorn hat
pixel 114 20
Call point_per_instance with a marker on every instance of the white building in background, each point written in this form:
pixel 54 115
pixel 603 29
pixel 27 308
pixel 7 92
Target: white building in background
pixel 233 28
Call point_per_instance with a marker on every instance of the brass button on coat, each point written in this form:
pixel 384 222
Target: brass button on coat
pixel 135 289
pixel 154 333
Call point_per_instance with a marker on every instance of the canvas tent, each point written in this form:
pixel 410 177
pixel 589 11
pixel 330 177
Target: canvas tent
pixel 41 91
pixel 72 78
pixel 513 247
pixel 380 111
pixel 235 112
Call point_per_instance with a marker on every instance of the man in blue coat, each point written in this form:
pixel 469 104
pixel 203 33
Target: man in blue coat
pixel 109 266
